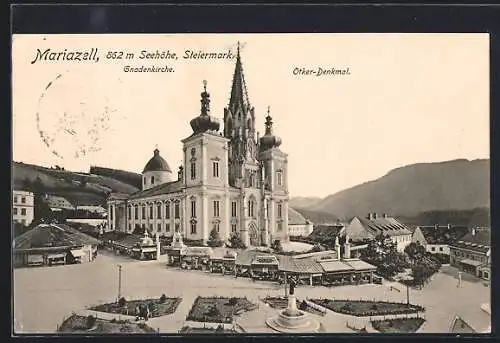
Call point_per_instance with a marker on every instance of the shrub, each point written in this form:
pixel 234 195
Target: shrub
pixel 232 301
pixel 163 298
pixel 90 321
pixel 235 242
pixel 214 239
pixel 122 302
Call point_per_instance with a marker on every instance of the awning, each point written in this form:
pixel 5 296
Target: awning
pixel 471 262
pixel 35 259
pixel 78 253
pixel 53 256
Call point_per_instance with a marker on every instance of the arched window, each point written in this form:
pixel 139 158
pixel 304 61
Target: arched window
pixel 251 208
pixel 152 180
pixel 193 170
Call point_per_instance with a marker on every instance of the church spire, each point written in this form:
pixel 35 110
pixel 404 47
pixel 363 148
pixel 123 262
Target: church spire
pixel 239 94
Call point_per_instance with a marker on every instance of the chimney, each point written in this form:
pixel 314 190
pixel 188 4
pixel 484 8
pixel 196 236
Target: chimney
pixel 375 216
pixel 369 216
pixel 473 231
pixel 449 226
pixel 385 215
pixel 436 226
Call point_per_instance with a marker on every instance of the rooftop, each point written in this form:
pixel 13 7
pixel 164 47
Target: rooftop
pixel 52 236
pixel 55 201
pixel 442 234
pixel 295 218
pixel 478 240
pixel 385 225
pixel 164 188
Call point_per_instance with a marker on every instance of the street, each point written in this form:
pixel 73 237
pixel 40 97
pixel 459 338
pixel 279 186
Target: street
pixel 43 297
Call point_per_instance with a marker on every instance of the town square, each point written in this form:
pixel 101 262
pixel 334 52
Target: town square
pixel 216 200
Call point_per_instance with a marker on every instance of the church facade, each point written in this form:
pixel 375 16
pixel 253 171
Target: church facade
pixel 231 180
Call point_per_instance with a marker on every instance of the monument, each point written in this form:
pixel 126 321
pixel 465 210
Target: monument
pixel 293 320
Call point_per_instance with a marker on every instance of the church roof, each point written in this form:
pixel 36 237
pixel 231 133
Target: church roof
pixel 45 236
pixel 239 93
pixel 157 163
pixel 164 188
pixel 295 218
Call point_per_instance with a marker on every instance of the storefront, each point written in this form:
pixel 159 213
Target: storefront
pixel 174 256
pixel 196 258
pixel 56 258
pixel 470 266
pixel 146 252
pixel 264 268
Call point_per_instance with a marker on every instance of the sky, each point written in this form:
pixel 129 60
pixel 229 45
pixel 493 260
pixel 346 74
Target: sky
pixel 408 98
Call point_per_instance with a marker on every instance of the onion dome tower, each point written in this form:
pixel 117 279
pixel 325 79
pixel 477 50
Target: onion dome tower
pixel 269 140
pixel 205 122
pixel 156 171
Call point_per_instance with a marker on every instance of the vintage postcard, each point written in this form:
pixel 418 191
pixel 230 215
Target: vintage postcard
pixel 251 183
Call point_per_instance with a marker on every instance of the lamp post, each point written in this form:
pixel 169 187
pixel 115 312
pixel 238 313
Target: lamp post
pixel 407 278
pixel 119 281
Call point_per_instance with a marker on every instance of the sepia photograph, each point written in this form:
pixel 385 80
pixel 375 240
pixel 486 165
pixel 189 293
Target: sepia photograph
pixel 168 184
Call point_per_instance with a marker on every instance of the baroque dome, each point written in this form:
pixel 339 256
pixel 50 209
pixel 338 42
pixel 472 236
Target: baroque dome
pixel 157 163
pixel 269 140
pixel 205 122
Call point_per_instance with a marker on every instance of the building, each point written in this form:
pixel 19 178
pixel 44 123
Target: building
pixel 365 229
pixel 23 206
pixel 58 203
pixel 232 181
pixel 334 267
pixel 50 244
pixel 298 225
pixel 436 238
pixel 95 209
pixel 476 320
pixel 472 253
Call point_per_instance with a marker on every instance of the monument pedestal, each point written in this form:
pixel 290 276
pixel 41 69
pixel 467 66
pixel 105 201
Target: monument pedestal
pixel 293 320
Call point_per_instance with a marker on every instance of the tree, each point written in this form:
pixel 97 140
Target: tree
pixel 122 302
pixel 19 229
pixel 163 298
pixel 235 242
pixel 42 212
pixel 214 239
pixel 415 251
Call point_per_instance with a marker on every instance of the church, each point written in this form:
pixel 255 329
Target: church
pixel 231 180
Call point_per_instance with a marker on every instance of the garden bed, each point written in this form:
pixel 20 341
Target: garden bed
pixel 157 307
pixel 399 325
pixel 363 308
pixel 218 310
pixel 277 302
pixel 91 325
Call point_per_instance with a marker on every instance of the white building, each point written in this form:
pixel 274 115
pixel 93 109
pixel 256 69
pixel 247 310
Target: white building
pixel 298 225
pixel 231 181
pixel 436 238
pixel 23 209
pixel 363 229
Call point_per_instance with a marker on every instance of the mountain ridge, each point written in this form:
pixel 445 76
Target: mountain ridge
pixel 458 184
